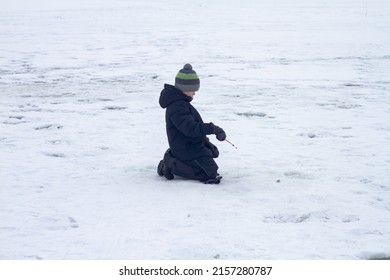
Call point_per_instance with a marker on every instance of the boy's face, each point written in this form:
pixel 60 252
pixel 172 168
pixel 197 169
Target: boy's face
pixel 190 93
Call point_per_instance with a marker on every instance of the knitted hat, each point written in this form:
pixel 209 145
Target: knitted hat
pixel 187 80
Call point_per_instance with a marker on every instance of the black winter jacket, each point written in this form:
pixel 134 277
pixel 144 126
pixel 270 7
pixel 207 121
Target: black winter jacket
pixel 186 130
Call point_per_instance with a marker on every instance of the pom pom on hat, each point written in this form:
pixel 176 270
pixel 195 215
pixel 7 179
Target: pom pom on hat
pixel 187 80
pixel 187 67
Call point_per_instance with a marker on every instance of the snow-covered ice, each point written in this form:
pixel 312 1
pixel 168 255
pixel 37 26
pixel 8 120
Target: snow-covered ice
pixel 300 87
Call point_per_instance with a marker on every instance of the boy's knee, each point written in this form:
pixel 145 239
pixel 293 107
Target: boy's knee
pixel 184 170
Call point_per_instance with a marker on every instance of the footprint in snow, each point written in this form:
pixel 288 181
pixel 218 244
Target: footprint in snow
pixel 73 222
pixel 33 257
pixel 350 219
pixel 252 114
pixel 352 85
pixel 55 155
pixel 16 117
pixel 8 228
pixel 49 127
pixel 296 175
pixel 348 106
pixel 55 142
pixel 289 218
pixel 13 122
pixel 309 135
pixel 114 108
pixel 39 188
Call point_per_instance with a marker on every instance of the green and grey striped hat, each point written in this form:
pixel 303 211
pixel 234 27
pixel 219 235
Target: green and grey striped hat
pixel 187 80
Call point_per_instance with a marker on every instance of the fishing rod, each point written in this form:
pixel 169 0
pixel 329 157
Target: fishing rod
pixel 231 143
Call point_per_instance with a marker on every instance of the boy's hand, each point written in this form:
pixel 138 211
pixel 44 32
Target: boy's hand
pixel 219 132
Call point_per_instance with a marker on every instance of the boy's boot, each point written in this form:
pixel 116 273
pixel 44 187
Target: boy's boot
pixel 168 162
pixel 160 167
pixel 215 180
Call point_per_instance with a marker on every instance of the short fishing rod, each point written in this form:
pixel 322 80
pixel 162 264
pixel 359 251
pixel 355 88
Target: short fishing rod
pixel 231 143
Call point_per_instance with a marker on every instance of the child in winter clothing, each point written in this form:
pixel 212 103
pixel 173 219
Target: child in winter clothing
pixel 190 152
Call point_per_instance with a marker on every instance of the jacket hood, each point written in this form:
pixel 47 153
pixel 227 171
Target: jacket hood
pixel 171 94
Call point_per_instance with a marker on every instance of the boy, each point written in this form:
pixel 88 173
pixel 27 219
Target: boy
pixel 190 154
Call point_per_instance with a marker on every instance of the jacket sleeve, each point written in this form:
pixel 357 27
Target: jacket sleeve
pixel 184 121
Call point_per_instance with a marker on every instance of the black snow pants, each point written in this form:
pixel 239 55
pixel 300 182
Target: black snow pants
pixel 202 169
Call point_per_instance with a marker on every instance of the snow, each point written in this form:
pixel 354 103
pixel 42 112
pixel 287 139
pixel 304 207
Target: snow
pixel 301 88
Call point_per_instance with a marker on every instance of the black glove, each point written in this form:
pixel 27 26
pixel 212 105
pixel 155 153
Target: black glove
pixel 212 148
pixel 220 134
